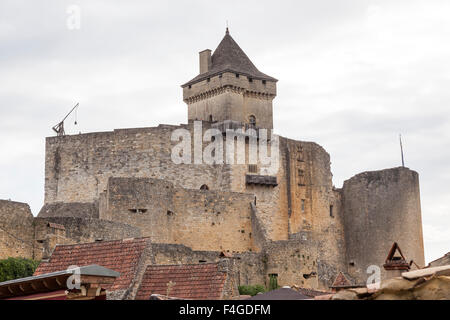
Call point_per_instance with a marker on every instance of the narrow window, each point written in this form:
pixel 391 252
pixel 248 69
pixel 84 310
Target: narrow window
pixel 237 75
pixel 138 210
pixel 331 211
pixel 209 79
pixel 210 118
pixel 252 120
pixel 303 205
pixel 301 178
pixel 252 168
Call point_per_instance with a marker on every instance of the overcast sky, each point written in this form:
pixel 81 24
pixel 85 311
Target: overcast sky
pixel 352 76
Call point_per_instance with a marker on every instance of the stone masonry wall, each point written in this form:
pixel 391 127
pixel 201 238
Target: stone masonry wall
pixel 200 219
pixel 72 209
pixel 380 208
pixel 16 230
pixel 77 167
pixel 227 97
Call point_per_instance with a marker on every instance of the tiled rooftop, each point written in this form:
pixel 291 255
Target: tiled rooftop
pixel 121 256
pixel 195 282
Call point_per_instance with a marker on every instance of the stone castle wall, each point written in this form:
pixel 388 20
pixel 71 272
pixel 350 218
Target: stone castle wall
pixel 22 235
pixel 16 230
pixel 227 97
pixel 77 167
pixel 200 219
pixel 380 208
pixel 71 209
pixel 127 179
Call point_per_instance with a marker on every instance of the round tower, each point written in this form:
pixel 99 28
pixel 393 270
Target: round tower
pixel 382 208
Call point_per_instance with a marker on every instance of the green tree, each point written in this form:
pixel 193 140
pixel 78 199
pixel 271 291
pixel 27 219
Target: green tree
pixel 15 268
pixel 251 290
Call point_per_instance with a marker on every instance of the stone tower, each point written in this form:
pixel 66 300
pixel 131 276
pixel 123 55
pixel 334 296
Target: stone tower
pixel 230 90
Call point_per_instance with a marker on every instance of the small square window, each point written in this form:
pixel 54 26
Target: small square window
pixel 250 79
pixel 237 75
pixel 264 82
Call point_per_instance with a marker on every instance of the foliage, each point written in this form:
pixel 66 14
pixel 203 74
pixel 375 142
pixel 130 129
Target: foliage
pixel 251 290
pixel 273 282
pixel 15 268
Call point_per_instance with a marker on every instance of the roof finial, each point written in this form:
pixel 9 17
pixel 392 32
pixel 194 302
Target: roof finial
pixel 228 31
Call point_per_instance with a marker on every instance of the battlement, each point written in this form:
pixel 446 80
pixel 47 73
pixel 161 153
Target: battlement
pixel 229 82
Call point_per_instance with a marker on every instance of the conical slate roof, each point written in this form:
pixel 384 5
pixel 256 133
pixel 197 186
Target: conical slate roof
pixel 231 58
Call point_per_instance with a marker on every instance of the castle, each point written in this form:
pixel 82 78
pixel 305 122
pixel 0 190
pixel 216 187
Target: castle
pixel 290 223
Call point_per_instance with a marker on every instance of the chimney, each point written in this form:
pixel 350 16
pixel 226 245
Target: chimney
pixel 205 61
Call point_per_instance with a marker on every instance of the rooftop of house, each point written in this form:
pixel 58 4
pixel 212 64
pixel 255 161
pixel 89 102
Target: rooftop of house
pixel 121 256
pixel 341 281
pixel 229 57
pixel 36 286
pixel 193 282
pixel 285 293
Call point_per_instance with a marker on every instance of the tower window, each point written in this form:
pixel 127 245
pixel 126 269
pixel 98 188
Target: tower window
pixel 303 205
pixel 331 212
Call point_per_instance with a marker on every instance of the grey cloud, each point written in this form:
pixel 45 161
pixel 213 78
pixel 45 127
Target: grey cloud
pixel 353 74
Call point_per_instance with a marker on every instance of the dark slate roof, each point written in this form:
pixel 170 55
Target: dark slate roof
pixel 281 294
pixel 310 292
pixel 192 282
pixel 230 57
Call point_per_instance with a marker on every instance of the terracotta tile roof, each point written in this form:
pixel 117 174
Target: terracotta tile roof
pixel 195 282
pixel 121 256
pixel 340 281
